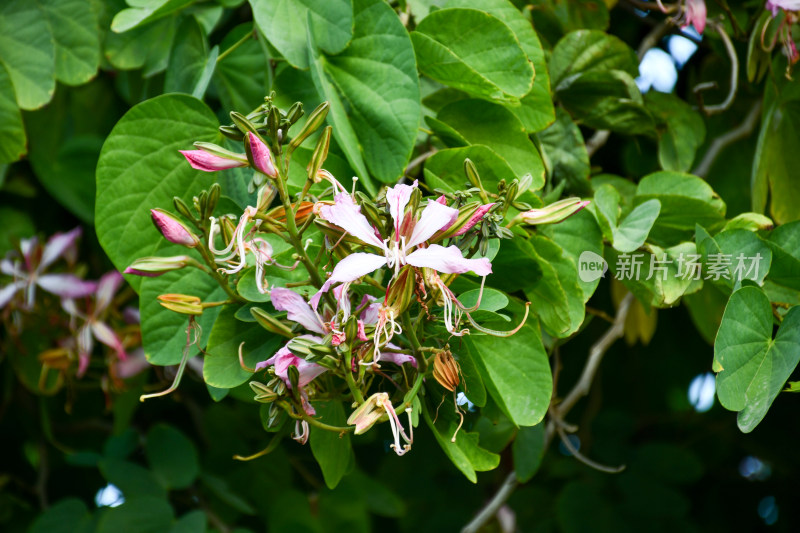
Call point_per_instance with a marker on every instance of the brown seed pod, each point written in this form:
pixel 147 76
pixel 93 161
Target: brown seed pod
pixel 446 370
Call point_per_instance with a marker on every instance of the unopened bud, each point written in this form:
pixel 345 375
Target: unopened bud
pixel 555 212
pixel 231 132
pixel 320 154
pixel 259 155
pixel 155 266
pixel 57 358
pixel 400 293
pixel 369 412
pixel 202 160
pixel 173 229
pixel 182 303
pixel 313 123
pixel 295 112
pixel 468 216
pixel 472 174
pixel 270 323
pixel 243 123
pixel 182 208
pixel 213 198
pixel 263 394
pixel 525 183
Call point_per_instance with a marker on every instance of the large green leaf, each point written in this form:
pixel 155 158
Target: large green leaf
pixel 331 450
pixel 12 130
pixel 221 367
pixel 77 44
pixel 140 168
pixel 576 235
pixel 286 23
pixel 565 150
pixel 187 59
pixel 590 51
pixel 473 51
pixel 785 244
pixel 751 366
pixel 146 514
pixel 143 11
pixel 516 372
pixel 562 316
pixel 27 51
pixel 536 111
pixel 528 450
pixel 490 124
pixel 447 168
pixel 66 516
pixel 681 130
pixel 240 78
pixel 145 46
pixel 686 200
pixel 172 456
pixel 635 227
pixel 377 76
pixel 465 453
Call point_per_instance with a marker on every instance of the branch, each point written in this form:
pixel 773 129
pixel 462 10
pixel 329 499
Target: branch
pixel 719 108
pixel 556 424
pixel 720 143
pixel 655 35
pixel 583 459
pixel 598 140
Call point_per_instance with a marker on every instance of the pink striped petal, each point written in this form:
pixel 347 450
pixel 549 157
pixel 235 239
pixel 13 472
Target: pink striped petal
pixel 107 336
pixel 347 215
pixel 297 309
pixel 350 268
pixel 107 287
pixel 474 219
pixel 262 157
pixel 434 217
pixel 66 285
pixel 397 197
pixel 448 260
pixel 57 245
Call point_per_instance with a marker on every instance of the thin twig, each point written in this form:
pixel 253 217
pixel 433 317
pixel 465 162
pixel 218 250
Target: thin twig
pixel 585 460
pixel 720 143
pixel 418 161
pixel 558 412
pixel 719 108
pixel 598 139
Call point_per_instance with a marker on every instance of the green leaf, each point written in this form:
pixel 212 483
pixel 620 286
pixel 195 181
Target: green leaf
pixel 240 78
pixel 164 334
pixel 558 301
pixel 528 450
pixel 492 125
pixel 751 366
pixel 191 522
pixel 382 89
pixel 27 52
pixel 750 257
pixel 635 227
pixel 472 384
pixel 140 168
pixel 681 130
pixel 133 480
pixel 465 453
pixel 286 23
pixel 473 51
pixel 505 267
pixel 145 514
pixel 606 99
pixel 785 244
pixel 686 201
pixel 750 222
pixel 585 51
pixel 146 46
pixel 564 147
pixel 144 11
pixel 536 111
pixel 516 372
pixel 13 142
pixel 221 366
pixel 575 235
pixel 172 456
pixel 187 59
pixel 331 450
pixel 447 168
pixel 77 44
pixel 67 516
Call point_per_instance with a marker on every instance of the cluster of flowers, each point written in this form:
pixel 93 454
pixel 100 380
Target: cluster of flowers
pixel 92 315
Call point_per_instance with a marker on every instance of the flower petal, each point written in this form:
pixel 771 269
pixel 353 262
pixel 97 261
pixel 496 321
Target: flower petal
pixel 397 197
pixel 8 292
pixel 57 245
pixel 260 154
pixel 107 336
pixel 350 268
pixel 448 260
pixel 66 285
pixel 107 287
pixel 474 219
pixel 347 215
pixel 297 309
pixel 396 357
pixel 434 217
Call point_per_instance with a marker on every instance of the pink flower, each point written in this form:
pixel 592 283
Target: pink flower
pixel 786 5
pixel 259 155
pixel 173 229
pixel 28 268
pixel 202 160
pixel 695 15
pixel 409 234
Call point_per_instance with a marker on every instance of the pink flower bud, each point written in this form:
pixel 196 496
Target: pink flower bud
pixel 259 155
pixel 474 219
pixel 555 212
pixel 204 161
pixel 173 229
pixel 155 266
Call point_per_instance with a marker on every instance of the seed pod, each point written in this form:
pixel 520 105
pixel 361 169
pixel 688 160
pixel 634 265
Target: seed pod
pixel 313 123
pixel 446 370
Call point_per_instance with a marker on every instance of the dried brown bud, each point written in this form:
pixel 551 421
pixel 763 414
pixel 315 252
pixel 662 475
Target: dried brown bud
pixel 446 370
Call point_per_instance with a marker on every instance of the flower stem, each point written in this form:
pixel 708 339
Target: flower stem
pixel 249 35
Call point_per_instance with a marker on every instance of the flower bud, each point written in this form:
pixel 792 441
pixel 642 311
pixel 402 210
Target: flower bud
pixel 202 160
pixel 270 323
pixel 468 215
pixel 57 358
pixel 446 370
pixel 182 303
pixel 369 412
pixel 259 155
pixel 400 293
pixel 155 266
pixel 472 174
pixel 555 212
pixel 243 123
pixel 295 112
pixel 320 154
pixel 231 132
pixel 313 123
pixel 263 394
pixel 173 229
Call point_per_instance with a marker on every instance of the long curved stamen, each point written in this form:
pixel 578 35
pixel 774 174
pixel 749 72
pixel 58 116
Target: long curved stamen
pixel 496 333
pixel 397 428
